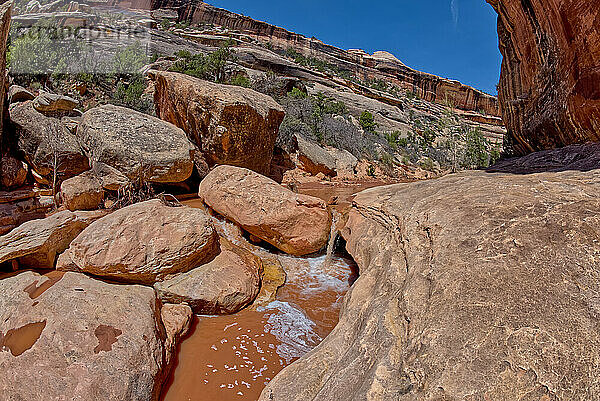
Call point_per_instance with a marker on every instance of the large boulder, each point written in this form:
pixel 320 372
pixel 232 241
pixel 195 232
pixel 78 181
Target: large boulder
pixel 549 88
pixel 82 192
pixel 36 243
pixel 314 159
pixel 345 162
pixel 136 144
pixel 50 103
pixel 475 286
pixel 232 125
pixel 70 336
pixel 47 144
pixel 225 285
pixel 143 243
pixel 17 94
pixel 296 224
pixel 13 173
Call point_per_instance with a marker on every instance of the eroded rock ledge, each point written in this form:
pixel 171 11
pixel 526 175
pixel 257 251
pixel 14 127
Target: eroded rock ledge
pixel 473 286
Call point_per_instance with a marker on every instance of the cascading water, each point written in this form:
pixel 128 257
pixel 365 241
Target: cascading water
pixel 335 216
pixel 234 357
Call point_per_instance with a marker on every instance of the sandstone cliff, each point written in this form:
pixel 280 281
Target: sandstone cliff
pixel 550 82
pixel 380 65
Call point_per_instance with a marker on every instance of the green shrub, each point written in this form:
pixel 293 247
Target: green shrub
pixel 371 170
pixel 296 93
pixel 211 67
pixel 240 80
pixel 476 152
pixel 427 164
pixel 35 53
pixel 494 155
pixel 129 59
pixel 131 94
pixel 165 24
pixel 367 122
pixel 393 138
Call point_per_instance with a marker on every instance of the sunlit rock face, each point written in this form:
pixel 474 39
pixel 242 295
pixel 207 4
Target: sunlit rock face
pixel 549 88
pixel 474 286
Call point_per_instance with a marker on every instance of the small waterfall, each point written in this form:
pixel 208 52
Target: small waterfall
pixel 335 216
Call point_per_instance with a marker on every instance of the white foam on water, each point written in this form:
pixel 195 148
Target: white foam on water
pixel 227 229
pixel 314 278
pixel 292 328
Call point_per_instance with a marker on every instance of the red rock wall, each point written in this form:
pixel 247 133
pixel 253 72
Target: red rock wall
pixel 549 88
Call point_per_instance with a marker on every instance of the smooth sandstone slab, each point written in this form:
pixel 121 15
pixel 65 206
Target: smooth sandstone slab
pixel 474 286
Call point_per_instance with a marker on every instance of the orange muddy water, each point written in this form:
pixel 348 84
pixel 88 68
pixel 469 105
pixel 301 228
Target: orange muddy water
pixel 21 339
pixel 233 357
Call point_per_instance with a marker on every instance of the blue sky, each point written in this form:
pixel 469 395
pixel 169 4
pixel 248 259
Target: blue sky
pixel 452 38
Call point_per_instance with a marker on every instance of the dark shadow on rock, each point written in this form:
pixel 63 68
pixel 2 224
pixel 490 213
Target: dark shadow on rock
pixel 581 157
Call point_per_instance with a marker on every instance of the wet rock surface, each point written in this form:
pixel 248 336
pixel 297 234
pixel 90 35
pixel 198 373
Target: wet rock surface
pixel 472 286
pixel 136 144
pixel 177 319
pixel 79 337
pixel 143 243
pixel 223 286
pixel 231 124
pixel 296 224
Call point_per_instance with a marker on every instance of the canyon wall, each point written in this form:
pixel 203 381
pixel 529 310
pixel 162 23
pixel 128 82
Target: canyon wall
pixel 380 65
pixel 549 88
pixel 5 13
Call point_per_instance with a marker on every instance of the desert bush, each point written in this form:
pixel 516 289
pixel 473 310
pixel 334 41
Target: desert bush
pixel 289 128
pixel 44 51
pixel 296 93
pixel 211 67
pixel 394 138
pixel 367 122
pixel 475 154
pixel 129 60
pixel 240 80
pixel 130 93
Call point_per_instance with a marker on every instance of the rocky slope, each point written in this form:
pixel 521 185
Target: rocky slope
pixel 550 82
pixel 472 286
